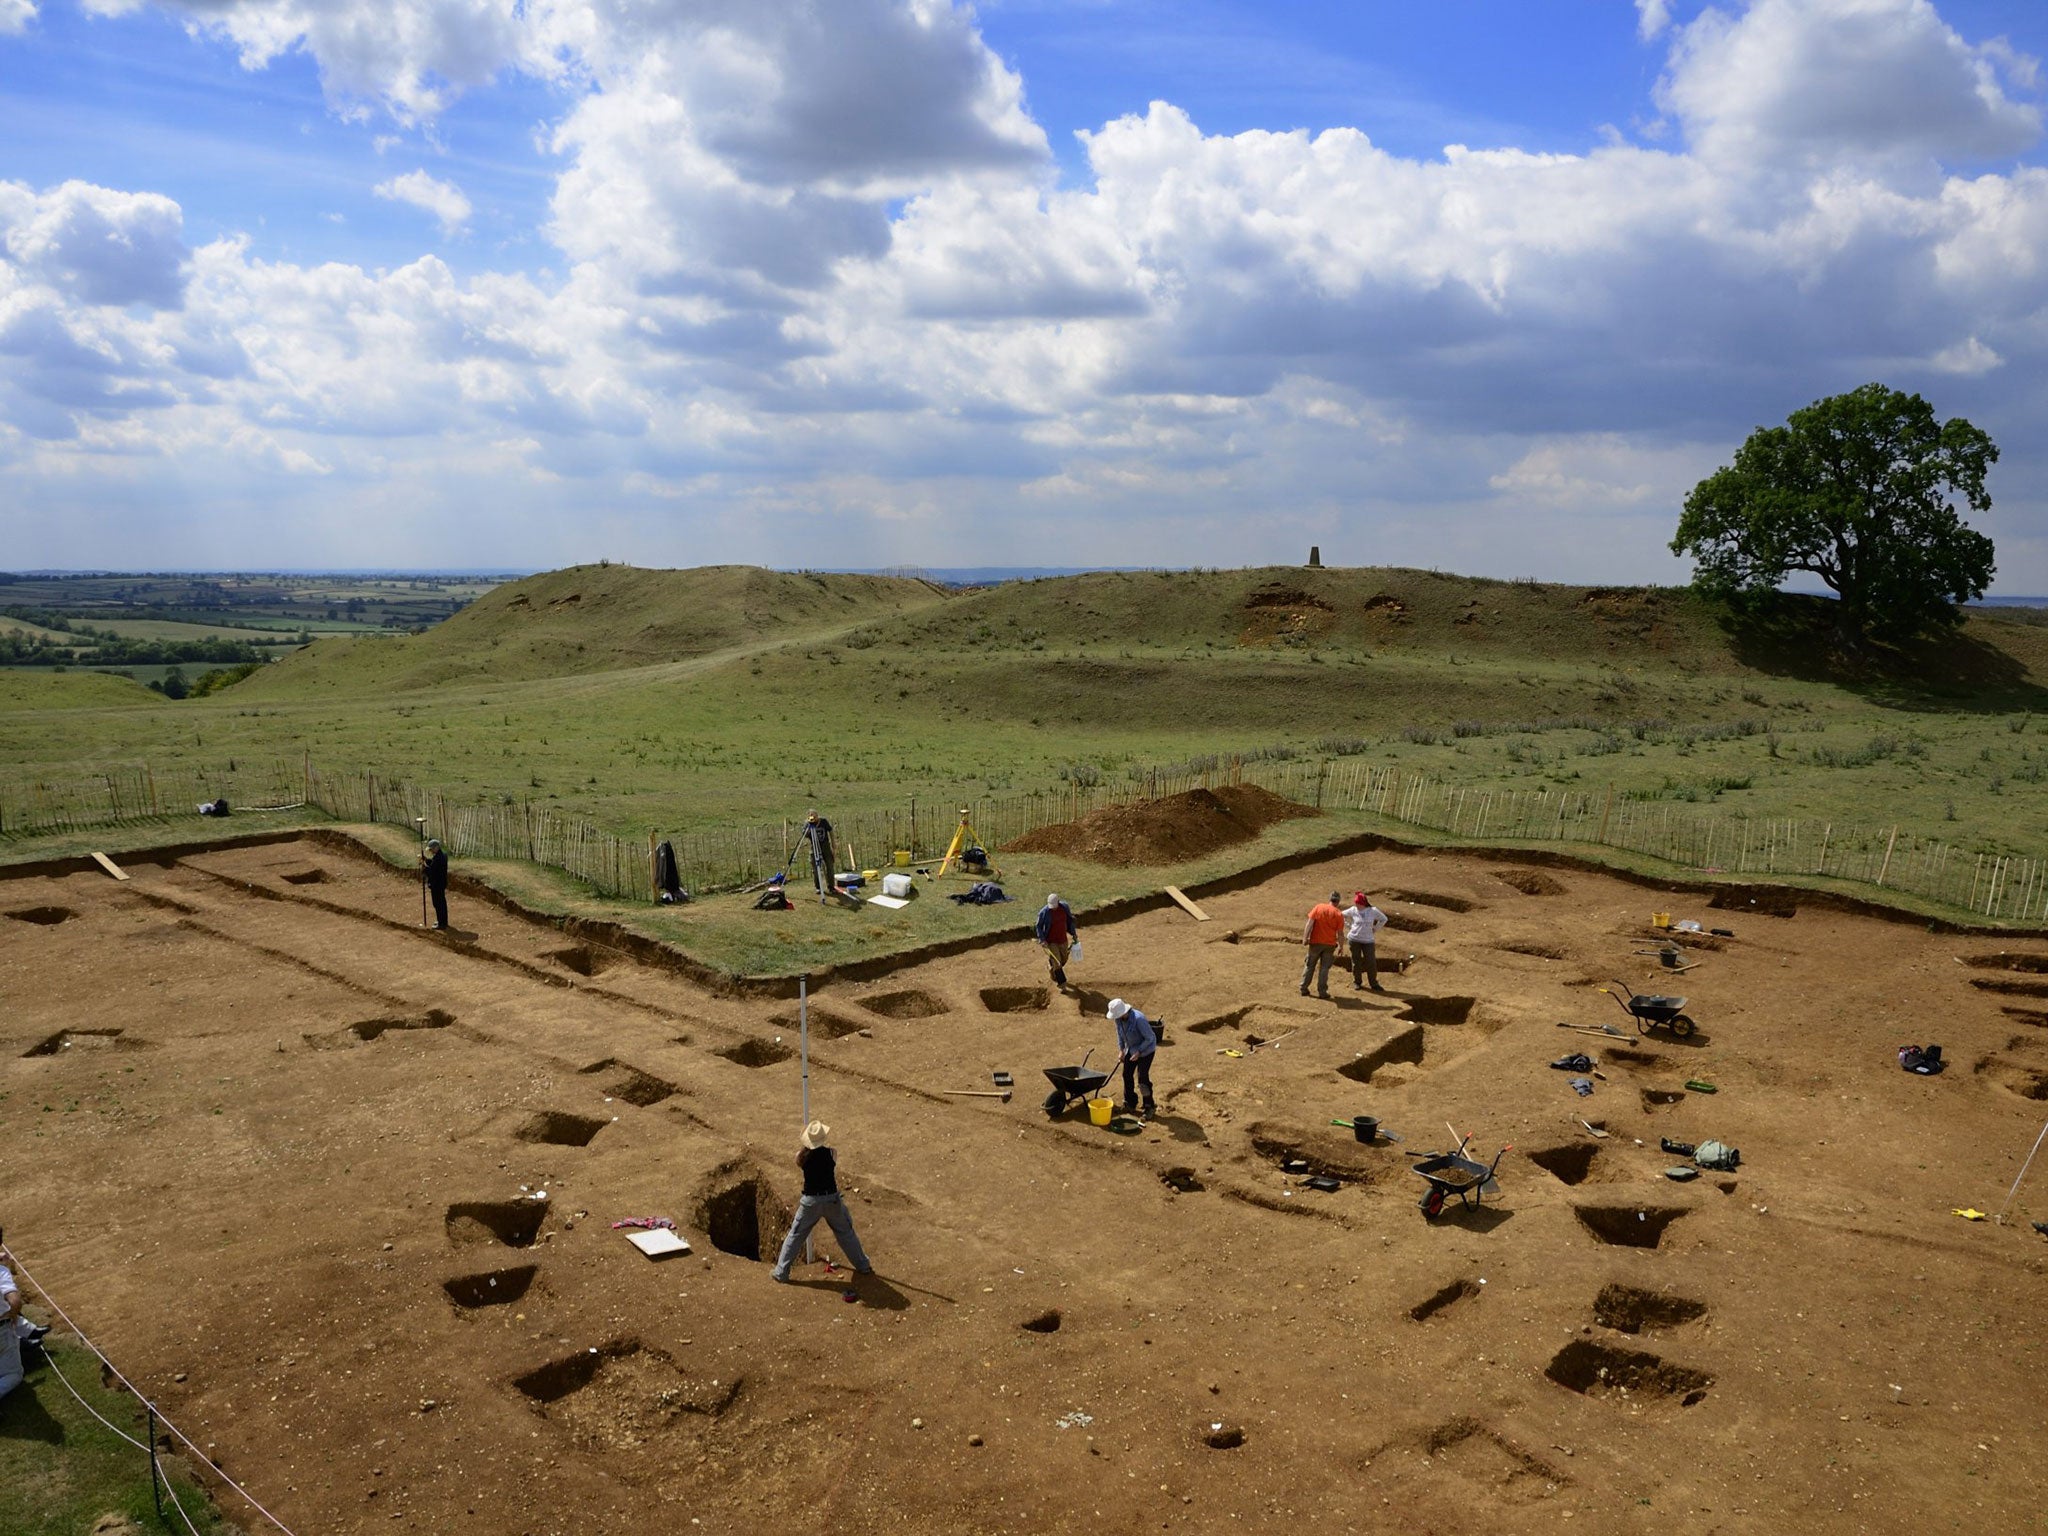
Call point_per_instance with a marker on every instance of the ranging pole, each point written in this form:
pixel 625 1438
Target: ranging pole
pixel 803 1049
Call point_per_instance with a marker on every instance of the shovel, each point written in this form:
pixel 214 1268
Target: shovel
pixel 1595 1029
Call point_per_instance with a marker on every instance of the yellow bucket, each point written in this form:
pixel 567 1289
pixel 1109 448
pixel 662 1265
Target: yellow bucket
pixel 1099 1111
pixel 1660 919
pixel 903 858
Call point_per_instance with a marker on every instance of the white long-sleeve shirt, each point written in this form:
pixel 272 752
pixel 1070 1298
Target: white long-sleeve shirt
pixel 1362 924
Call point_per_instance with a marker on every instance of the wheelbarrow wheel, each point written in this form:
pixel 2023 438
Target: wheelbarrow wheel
pixel 1054 1103
pixel 1681 1026
pixel 1433 1202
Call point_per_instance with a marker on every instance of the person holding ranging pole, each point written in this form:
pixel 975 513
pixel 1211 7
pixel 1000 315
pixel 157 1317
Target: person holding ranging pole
pixel 817 833
pixel 434 871
pixel 821 1202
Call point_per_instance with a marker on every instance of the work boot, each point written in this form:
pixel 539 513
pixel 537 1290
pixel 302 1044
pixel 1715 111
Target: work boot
pixel 1059 977
pixel 1304 991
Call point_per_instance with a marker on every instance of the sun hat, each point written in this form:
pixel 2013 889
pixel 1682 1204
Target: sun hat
pixel 1358 898
pixel 1118 1007
pixel 817 1134
pixel 433 842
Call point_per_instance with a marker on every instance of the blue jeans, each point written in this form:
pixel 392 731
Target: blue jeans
pixel 809 1211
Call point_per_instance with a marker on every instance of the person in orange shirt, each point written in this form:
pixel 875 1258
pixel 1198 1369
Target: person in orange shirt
pixel 1324 928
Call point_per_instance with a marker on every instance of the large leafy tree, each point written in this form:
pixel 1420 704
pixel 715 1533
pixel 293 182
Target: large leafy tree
pixel 1855 489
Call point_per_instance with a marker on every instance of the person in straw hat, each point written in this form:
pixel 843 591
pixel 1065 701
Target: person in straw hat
pixel 821 1201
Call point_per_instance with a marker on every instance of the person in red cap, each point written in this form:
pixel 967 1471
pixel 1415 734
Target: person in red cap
pixel 1362 924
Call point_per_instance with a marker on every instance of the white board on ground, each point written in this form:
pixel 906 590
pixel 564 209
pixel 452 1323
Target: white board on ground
pixel 659 1243
pixel 891 902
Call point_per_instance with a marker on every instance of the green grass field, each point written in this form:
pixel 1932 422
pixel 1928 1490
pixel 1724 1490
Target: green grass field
pixel 693 699
pixel 61 1469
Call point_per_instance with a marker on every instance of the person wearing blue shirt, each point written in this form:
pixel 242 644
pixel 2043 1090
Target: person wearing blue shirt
pixel 1136 1042
pixel 1057 934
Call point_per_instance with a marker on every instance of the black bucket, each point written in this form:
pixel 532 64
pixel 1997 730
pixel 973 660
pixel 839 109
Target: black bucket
pixel 1365 1127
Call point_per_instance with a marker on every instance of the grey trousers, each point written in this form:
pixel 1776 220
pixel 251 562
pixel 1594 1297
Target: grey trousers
pixel 1320 958
pixel 810 1210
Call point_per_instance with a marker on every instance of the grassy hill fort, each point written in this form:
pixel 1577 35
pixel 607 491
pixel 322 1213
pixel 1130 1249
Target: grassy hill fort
pixel 380 1167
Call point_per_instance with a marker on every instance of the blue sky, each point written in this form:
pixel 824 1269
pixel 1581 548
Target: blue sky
pixel 1067 282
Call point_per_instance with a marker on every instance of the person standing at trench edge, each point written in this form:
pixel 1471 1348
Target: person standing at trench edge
pixel 434 869
pixel 817 832
pixel 1325 926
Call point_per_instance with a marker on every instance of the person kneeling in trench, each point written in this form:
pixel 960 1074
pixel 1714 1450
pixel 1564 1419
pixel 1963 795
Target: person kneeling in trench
pixel 821 1201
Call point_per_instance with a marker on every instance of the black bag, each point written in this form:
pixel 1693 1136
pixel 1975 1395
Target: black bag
pixel 668 880
pixel 1924 1060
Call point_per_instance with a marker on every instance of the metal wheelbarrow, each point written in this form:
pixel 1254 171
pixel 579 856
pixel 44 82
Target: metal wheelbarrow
pixel 1453 1173
pixel 1070 1084
pixel 1651 1010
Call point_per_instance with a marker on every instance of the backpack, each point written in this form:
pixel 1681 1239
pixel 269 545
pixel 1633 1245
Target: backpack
pixel 1717 1156
pixel 1922 1059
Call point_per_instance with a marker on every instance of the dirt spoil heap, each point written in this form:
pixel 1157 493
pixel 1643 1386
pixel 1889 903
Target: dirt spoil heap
pixel 1166 831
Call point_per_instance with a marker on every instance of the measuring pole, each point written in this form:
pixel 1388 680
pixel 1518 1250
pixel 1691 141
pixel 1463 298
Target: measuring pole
pixel 803 1056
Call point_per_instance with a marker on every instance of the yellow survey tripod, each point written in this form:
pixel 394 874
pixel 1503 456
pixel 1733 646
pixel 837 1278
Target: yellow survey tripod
pixel 964 839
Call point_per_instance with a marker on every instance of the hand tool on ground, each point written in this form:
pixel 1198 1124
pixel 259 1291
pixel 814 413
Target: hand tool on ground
pixel 1593 1129
pixel 1595 1029
pixel 981 1093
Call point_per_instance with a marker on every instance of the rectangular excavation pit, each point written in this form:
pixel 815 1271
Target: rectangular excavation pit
pixel 1661 1098
pixel 2003 961
pixel 906 1004
pixel 558 1128
pixel 737 1210
pixel 642 1089
pixel 492 1288
pixel 2009 988
pixel 622 1394
pixel 307 877
pixel 42 917
pixel 1443 1300
pixel 1015 999
pixel 1405 922
pixel 1405 1049
pixel 584 959
pixel 1629 1226
pixel 1439 1010
pixel 1530 882
pixel 1431 899
pixel 1569 1162
pixel 755 1053
pixel 370 1029
pixel 1626 1309
pixel 825 1024
pixel 2015 1077
pixel 1593 1369
pixel 515 1223
pixel 83 1039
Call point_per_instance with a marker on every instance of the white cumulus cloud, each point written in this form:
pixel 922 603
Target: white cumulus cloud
pixel 442 199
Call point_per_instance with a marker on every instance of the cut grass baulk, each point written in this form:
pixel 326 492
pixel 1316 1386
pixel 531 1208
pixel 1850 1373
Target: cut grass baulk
pixel 778 690
pixel 62 1470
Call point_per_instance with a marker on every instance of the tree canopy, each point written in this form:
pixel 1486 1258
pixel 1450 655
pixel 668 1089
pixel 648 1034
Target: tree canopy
pixel 1856 490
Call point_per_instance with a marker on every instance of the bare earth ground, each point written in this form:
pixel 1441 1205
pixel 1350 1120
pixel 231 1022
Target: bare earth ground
pixel 275 1147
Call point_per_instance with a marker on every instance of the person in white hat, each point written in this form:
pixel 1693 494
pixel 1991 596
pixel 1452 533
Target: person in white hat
pixel 1136 1042
pixel 821 1201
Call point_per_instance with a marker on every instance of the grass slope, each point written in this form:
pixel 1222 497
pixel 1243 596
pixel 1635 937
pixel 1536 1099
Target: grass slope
pixel 61 1469
pixel 779 690
pixel 595 619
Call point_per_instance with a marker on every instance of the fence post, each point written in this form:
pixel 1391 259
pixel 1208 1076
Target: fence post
pixel 155 1482
pixel 1606 811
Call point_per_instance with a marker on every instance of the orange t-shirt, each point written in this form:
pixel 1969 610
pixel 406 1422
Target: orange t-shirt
pixel 1325 923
